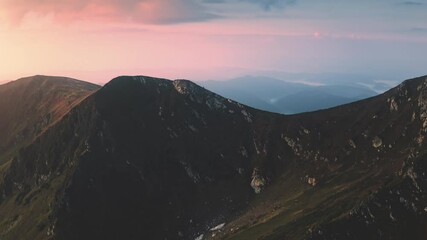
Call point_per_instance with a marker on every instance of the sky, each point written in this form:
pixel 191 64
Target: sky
pixel 96 40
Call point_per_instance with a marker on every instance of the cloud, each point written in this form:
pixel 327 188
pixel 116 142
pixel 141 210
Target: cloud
pixel 214 1
pixel 419 30
pixel 264 4
pixel 143 11
pixel 269 4
pixel 410 3
pixel 139 11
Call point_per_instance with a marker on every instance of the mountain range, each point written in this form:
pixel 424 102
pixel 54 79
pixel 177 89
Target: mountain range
pixel 287 97
pixel 150 158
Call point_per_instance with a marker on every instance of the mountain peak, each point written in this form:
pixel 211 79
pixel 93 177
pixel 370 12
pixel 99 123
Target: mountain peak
pixel 135 85
pixel 46 78
pixel 181 85
pixel 187 87
pixel 139 79
pixel 38 101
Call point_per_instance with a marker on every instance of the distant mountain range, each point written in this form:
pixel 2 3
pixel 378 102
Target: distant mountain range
pixel 150 158
pixel 279 96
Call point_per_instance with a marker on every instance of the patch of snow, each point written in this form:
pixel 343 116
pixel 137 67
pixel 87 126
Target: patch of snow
pixel 218 227
pixel 200 237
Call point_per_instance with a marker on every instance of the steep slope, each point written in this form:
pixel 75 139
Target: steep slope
pixel 246 98
pixel 396 211
pixel 141 157
pixel 351 157
pixel 151 158
pixel 30 105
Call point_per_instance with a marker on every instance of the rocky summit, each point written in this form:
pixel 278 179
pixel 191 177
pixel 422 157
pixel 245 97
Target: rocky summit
pixel 149 158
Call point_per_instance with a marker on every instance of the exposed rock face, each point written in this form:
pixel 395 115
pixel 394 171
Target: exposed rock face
pixel 312 181
pixel 377 142
pixel 393 212
pixel 422 104
pixel 258 182
pixel 393 104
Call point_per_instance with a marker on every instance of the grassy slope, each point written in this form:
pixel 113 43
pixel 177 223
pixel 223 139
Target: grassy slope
pixel 298 209
pixel 31 105
pixel 33 208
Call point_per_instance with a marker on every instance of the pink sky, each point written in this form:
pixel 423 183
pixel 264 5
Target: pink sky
pixel 96 40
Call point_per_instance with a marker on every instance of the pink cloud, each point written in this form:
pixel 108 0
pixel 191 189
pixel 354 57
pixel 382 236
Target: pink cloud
pixel 143 11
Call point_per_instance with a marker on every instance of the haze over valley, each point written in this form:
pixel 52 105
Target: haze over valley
pixel 213 120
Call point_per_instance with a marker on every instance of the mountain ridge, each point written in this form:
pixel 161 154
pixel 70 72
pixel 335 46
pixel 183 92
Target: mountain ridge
pixel 41 101
pixel 126 152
